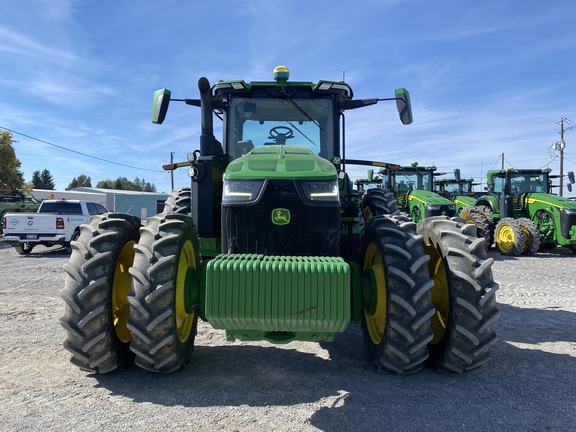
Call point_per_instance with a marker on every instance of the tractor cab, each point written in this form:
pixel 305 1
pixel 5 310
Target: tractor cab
pixel 508 189
pixel 413 187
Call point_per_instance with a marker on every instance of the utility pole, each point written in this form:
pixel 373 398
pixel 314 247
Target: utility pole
pixel 559 145
pixel 172 171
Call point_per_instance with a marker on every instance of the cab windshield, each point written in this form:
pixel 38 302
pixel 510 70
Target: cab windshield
pixel 267 121
pixel 410 180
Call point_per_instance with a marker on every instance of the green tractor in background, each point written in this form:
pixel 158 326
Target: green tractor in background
pixel 528 215
pixel 461 192
pixel 268 244
pixel 413 188
pixel 372 181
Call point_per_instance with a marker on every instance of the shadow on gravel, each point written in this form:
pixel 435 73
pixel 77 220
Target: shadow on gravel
pixel 46 253
pixel 536 325
pixel 519 389
pixel 558 252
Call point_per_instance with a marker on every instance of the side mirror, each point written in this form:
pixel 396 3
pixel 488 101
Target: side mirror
pixel 160 105
pixel 571 176
pixel 457 174
pixel 404 106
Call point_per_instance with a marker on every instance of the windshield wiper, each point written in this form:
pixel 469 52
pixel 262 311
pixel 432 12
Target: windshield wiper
pixel 301 133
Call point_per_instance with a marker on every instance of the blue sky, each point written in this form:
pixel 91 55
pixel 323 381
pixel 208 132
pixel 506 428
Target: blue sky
pixel 485 78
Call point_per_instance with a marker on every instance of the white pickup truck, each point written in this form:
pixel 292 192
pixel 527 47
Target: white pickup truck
pixel 57 222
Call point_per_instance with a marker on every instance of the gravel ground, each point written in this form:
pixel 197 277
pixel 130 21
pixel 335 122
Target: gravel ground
pixel 529 384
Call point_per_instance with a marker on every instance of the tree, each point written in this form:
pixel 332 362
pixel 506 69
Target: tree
pixel 122 183
pixel 11 177
pixel 43 180
pixel 80 181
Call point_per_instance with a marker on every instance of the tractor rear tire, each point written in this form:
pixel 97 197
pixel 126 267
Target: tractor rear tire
pixel 531 236
pixel 97 283
pixel 378 202
pixel 178 202
pixel 162 322
pixel 463 295
pixel 482 226
pixel 466 211
pixel 509 237
pixel 396 318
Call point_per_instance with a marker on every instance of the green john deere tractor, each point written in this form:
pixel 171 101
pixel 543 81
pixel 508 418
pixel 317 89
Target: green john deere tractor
pixel 372 181
pixel 267 244
pixel 461 192
pixel 529 216
pixel 413 188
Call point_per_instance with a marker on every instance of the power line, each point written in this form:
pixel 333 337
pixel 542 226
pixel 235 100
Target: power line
pixel 77 152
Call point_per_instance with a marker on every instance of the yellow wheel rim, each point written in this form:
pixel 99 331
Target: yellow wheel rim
pixel 376 321
pixel 439 292
pixel 120 290
pixel 505 238
pixel 184 320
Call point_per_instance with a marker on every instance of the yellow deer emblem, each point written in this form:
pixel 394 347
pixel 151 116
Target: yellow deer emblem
pixel 280 216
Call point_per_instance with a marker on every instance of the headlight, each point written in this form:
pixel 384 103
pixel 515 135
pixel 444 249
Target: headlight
pixel 321 190
pixel 241 191
pixel 433 207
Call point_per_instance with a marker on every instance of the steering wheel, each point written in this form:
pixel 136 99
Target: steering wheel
pixel 281 132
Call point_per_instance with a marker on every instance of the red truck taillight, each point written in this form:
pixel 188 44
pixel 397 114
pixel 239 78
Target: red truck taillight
pixel 3 223
pixel 59 223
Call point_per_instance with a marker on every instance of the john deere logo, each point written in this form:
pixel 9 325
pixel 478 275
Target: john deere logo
pixel 280 216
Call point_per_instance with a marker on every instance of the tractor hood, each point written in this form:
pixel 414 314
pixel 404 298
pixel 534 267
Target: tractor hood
pixel 551 200
pixel 280 162
pixel 427 197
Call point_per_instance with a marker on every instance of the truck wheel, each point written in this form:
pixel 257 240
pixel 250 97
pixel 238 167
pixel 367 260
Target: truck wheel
pixel 509 237
pixel 531 236
pixel 24 248
pixel 97 282
pixel 178 202
pixel 74 238
pixel 164 296
pixel 463 295
pixel 378 202
pixel 396 298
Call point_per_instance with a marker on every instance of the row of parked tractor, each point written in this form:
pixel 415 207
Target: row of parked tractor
pixel 517 213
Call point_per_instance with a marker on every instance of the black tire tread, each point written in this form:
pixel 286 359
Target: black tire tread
pixel 155 341
pixel 403 348
pixel 473 312
pixel 90 335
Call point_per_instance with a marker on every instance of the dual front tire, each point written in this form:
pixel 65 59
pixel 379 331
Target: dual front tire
pixel 128 289
pixel 429 295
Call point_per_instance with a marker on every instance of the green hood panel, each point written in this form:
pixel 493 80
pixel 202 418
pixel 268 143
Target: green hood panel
pixel 280 161
pixel 427 197
pixel 551 200
pixel 464 200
